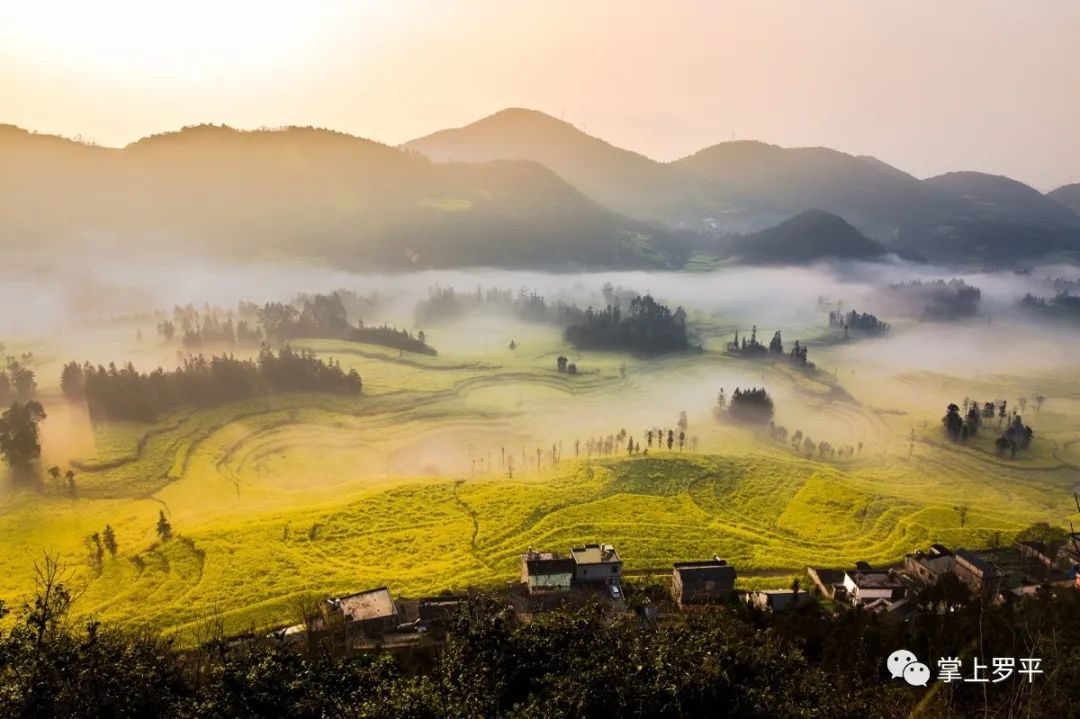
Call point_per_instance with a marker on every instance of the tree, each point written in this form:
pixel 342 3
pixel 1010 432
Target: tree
pixel 54 472
pixel 571 368
pixel 22 380
pixel 70 477
pixel 97 551
pixel 73 381
pixel 670 439
pixel 953 422
pixel 19 434
pixel 560 362
pixel 683 424
pixel 164 528
pixel 109 538
pixel 962 512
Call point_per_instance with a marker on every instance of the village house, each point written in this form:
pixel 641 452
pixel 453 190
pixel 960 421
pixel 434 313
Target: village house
pixel 830 582
pixel 1038 552
pixel 372 611
pixel 546 572
pixel 778 600
pixel 596 565
pixel 705 582
pixel 438 611
pixel 982 576
pixel 931 565
pixel 866 585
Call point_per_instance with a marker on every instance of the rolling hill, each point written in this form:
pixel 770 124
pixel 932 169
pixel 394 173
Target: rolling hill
pixel 310 192
pixel 1067 195
pixel 625 181
pixel 747 186
pixel 811 235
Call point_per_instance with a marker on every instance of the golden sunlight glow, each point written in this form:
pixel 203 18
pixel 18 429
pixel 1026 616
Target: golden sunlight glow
pixel 193 40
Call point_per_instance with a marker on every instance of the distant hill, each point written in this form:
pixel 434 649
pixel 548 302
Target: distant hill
pixel 756 183
pixel 1067 195
pixel 620 179
pixel 999 198
pixel 811 235
pixel 311 192
pixel 747 186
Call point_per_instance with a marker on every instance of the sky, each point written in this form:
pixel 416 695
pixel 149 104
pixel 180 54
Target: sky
pixel 928 86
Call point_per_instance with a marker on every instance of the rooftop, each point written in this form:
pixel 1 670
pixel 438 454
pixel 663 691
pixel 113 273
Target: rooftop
pixel 708 571
pixel 595 554
pixel 543 563
pixel 976 563
pixel 372 604
pixel 875 579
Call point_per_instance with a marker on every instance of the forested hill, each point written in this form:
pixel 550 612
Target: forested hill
pixel 310 192
pixel 809 236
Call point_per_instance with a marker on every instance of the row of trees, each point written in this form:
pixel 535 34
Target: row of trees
pixel 647 326
pixel 114 393
pixel 751 348
pixel 444 304
pixel 803 443
pixel 323 316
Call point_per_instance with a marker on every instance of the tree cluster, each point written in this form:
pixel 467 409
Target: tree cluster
pixel 17 382
pixel 124 393
pixel 963 424
pixel 1061 306
pixel 853 321
pixel 325 316
pixel 751 348
pixel 647 326
pixel 751 406
pixel 937 299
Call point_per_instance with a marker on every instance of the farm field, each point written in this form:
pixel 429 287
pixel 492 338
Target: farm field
pixel 409 484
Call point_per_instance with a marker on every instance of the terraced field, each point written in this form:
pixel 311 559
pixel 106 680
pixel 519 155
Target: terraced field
pixel 409 484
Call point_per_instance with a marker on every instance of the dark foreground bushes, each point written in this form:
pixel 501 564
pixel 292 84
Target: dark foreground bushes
pixel 581 662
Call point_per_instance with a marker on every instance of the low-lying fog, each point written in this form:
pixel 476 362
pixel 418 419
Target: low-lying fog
pixel 44 298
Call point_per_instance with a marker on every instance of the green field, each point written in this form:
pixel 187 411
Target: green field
pixel 407 484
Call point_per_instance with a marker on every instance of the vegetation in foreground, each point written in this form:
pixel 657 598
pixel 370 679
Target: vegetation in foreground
pixel 571 662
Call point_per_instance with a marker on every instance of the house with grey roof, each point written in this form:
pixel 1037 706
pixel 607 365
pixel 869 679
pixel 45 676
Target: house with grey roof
pixel 706 582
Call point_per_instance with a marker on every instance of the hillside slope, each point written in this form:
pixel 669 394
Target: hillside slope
pixel 303 191
pixel 811 235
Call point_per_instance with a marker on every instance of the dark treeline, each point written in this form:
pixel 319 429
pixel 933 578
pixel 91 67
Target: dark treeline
pixel 853 321
pixel 1060 306
pixel 726 660
pixel 325 316
pixel 937 299
pixel 646 326
pixel 751 348
pixel 444 304
pixel 322 316
pixel 963 424
pixel 124 393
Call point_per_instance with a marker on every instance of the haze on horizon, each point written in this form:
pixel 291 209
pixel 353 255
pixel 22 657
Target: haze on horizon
pixel 929 87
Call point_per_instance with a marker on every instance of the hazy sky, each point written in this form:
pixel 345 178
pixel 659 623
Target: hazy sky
pixel 929 86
